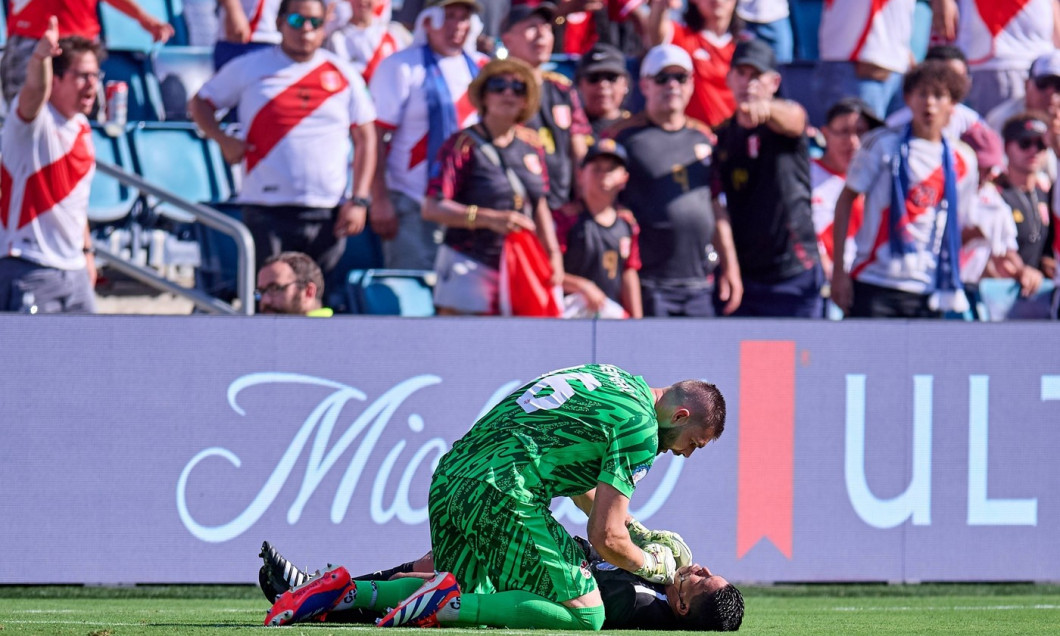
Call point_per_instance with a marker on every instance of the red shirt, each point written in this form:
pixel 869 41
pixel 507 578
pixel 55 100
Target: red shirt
pixel 711 54
pixel 29 18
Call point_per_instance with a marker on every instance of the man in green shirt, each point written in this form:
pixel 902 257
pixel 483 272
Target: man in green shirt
pixel 590 433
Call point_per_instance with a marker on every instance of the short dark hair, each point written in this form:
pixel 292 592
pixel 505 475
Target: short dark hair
pixel 305 269
pixel 285 6
pixel 946 53
pixel 72 46
pixel 719 611
pixel 706 399
pixel 936 74
pixel 695 22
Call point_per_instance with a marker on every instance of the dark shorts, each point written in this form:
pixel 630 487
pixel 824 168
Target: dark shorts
pixel 873 301
pixel 795 297
pixel 284 228
pixel 29 287
pixel 663 300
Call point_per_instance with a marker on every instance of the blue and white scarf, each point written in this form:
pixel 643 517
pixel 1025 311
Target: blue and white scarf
pixel 440 106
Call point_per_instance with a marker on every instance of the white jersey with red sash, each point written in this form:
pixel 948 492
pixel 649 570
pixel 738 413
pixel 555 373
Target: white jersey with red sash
pixel 924 221
pixel 297 118
pixel 29 18
pixel 1005 34
pixel 364 48
pixel 261 17
pixel 872 31
pixel 45 176
pixel 827 186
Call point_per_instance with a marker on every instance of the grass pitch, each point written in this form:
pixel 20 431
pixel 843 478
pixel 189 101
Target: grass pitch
pixel 997 610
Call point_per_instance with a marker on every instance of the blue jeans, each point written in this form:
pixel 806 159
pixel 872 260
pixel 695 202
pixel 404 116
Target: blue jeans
pixel 778 36
pixel 836 80
pixel 795 297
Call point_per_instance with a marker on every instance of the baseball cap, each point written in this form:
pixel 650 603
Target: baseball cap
pixel 987 146
pixel 663 55
pixel 523 10
pixel 857 105
pixel 1046 65
pixel 602 57
pixel 606 148
pixel 754 53
pixel 1024 127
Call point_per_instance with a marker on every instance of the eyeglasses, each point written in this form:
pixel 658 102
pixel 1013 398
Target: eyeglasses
pixel 500 84
pixel 1047 82
pixel 89 75
pixel 1036 142
pixel 297 21
pixel 662 79
pixel 273 290
pixel 602 76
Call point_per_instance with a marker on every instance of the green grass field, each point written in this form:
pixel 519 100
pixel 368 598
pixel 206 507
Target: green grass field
pixel 791 610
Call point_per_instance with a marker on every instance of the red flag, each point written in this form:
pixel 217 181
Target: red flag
pixel 525 273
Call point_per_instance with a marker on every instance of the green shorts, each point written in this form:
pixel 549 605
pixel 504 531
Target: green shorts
pixel 492 542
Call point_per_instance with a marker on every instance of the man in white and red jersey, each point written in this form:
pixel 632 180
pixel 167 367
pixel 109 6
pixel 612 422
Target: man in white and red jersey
pixel 48 162
pixel 864 48
pixel 421 97
pixel 917 183
pixel 1001 38
pixel 963 118
pixel 300 106
pixel 366 39
pixel 28 20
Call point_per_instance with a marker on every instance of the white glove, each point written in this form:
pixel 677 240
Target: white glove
pixel 659 566
pixel 641 536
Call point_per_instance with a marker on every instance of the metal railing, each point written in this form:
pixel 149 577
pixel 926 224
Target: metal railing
pixel 208 217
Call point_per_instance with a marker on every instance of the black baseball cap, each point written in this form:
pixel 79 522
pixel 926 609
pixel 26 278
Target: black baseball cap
pixel 1024 127
pixel 755 53
pixel 524 10
pixel 602 57
pixel 857 105
pixel 606 148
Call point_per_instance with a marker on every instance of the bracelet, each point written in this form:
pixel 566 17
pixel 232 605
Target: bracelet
pixel 472 212
pixel 88 251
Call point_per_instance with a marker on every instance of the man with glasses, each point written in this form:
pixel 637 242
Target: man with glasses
pixel 603 84
pixel 46 262
pixel 682 240
pixel 291 283
pixel 1042 92
pixel 299 107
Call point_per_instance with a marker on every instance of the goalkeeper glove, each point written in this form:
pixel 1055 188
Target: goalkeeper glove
pixel 641 536
pixel 659 566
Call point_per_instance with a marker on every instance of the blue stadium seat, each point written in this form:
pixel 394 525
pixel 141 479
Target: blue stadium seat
pixel 3 24
pixel 133 68
pixel 999 299
pixel 392 292
pixel 181 71
pixel 109 200
pixel 122 33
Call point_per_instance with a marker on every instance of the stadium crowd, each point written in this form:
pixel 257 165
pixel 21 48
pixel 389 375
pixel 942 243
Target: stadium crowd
pixel 688 166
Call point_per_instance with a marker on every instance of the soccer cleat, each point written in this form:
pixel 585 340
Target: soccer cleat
pixel 313 598
pixel 277 575
pixel 421 609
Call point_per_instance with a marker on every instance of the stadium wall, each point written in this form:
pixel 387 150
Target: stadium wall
pixel 165 449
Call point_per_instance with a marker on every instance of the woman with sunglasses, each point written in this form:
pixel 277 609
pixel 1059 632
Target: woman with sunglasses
pixel 492 181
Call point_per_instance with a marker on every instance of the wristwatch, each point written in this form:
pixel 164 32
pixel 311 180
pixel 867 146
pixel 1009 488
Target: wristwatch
pixel 364 202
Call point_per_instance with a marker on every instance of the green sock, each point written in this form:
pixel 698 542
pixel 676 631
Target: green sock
pixel 380 595
pixel 517 609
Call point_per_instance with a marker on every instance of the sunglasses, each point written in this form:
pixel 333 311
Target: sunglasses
pixel 499 85
pixel 662 79
pixel 297 21
pixel 1027 144
pixel 602 76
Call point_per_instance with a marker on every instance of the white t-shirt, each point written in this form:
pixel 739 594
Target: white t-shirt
pixel 961 120
pixel 365 48
pixel 827 186
pixel 47 169
pixel 762 11
pixel 994 219
pixel 877 32
pixel 870 173
pixel 296 118
pixel 401 100
pixel 1008 36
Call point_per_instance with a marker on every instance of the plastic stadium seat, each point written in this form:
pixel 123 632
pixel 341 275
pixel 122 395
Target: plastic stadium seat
pixel 392 292
pixel 145 97
pixel 181 71
pixel 999 300
pixel 110 200
pixel 122 33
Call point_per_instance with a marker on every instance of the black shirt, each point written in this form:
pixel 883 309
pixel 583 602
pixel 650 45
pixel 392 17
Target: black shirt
pixel 597 252
pixel 557 121
pixel 1030 211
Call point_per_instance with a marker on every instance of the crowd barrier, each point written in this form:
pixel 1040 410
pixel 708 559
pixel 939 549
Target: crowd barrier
pixel 165 449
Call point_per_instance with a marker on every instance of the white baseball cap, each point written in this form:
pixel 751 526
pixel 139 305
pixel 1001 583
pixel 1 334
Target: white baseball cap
pixel 1046 65
pixel 659 57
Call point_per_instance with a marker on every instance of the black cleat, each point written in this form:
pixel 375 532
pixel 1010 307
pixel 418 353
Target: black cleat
pixel 277 575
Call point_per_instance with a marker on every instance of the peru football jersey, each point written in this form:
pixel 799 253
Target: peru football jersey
pixel 872 31
pixel 826 188
pixel 398 88
pixel 297 118
pixel 580 27
pixel 261 17
pixel 923 226
pixel 45 175
pixel 365 48
pixel 558 435
pixel 712 101
pixel 1004 34
pixel 29 18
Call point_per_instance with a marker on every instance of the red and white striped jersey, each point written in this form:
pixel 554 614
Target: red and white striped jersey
pixel 401 101
pixel 29 18
pixel 261 16
pixel 45 175
pixel 827 186
pixel 296 119
pixel 924 225
pixel 1004 34
pixel 873 31
pixel 365 48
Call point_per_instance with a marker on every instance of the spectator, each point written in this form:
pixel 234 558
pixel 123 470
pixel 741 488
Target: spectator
pixel 1041 92
pixel 603 84
pixel 864 47
pixel 846 122
pixel 764 171
pixel 422 99
pixel 301 106
pixel 560 120
pixel 245 26
pixel 1001 38
pixel 709 34
pixel 46 262
pixel 366 39
pixel 291 283
pixel 601 255
pixel 770 21
pixel 492 181
pixel 963 118
pixel 28 21
pixel 586 23
pixel 670 196
pixel 906 261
